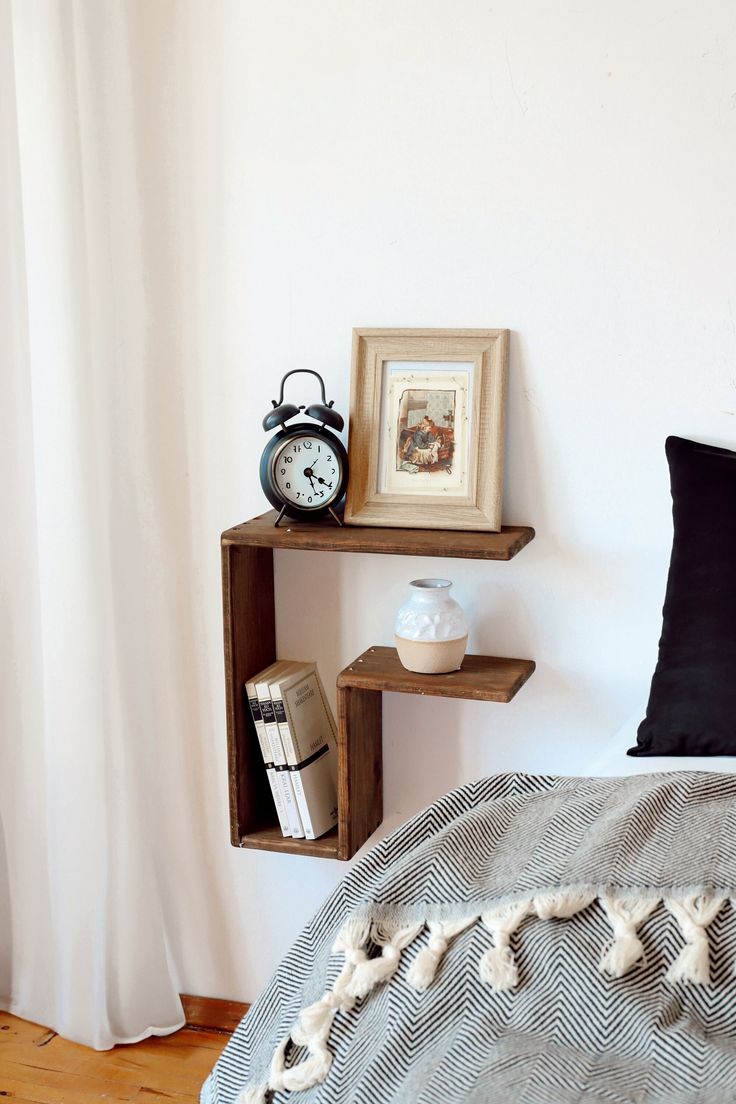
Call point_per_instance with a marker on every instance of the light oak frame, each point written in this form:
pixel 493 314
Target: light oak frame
pixel 481 509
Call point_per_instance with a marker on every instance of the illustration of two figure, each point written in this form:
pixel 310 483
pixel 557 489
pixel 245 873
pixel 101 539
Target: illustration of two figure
pixel 421 446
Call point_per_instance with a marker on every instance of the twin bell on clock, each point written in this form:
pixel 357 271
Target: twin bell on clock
pixel 304 467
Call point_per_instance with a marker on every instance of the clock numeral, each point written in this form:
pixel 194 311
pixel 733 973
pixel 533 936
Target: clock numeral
pixel 332 471
pixel 288 459
pixel 288 486
pixel 283 471
pixel 307 444
pixel 297 448
pixel 309 499
pixel 329 457
pixel 319 448
pixel 298 494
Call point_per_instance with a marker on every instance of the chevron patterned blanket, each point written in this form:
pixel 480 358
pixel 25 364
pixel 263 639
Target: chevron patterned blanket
pixel 531 940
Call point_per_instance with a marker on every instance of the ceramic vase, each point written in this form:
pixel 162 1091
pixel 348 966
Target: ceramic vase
pixel 431 632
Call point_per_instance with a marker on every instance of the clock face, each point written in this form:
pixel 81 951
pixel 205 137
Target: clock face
pixel 307 471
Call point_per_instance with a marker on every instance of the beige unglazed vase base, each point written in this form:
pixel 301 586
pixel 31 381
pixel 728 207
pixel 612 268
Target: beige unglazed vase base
pixel 431 657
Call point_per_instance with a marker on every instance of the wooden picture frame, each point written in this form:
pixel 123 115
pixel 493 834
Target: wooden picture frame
pixel 426 440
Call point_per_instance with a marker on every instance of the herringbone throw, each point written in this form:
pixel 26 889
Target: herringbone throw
pixel 524 940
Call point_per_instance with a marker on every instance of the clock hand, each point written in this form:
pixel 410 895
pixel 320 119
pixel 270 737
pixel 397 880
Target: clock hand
pixel 309 472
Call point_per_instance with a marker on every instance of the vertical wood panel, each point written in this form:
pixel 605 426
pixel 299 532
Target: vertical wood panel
pixel 360 767
pixel 250 645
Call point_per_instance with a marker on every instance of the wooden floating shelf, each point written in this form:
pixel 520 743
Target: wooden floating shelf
pixel 481 678
pixel 261 532
pixel 250 646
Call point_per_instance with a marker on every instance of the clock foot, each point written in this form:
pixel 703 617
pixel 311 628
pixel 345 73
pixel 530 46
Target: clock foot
pixel 278 519
pixel 335 516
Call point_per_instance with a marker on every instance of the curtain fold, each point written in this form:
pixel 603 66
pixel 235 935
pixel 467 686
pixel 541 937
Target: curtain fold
pixel 95 448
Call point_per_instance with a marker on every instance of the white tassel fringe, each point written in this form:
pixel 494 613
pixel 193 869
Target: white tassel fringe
pixel 625 914
pixel 498 967
pixel 315 1022
pixel 693 914
pixel 373 971
pixel 424 967
pixel 561 904
pixel 312 1071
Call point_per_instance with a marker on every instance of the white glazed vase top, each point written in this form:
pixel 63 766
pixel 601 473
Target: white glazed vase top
pixel 430 630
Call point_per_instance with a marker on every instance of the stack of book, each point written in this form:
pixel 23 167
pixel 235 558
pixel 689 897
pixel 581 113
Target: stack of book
pixel 297 736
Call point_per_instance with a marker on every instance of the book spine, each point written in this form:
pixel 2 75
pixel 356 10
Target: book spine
pixel 263 743
pixel 279 760
pixel 287 741
pixel 314 778
pixel 308 735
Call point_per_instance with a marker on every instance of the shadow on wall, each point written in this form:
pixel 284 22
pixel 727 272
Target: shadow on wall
pixel 620 583
pixel 6 930
pixel 313 590
pixel 523 475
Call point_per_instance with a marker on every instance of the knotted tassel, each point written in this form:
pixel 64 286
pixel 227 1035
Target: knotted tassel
pixel 350 941
pixel 560 904
pixel 312 1071
pixel 498 965
pixel 313 1027
pixel 693 914
pixel 625 914
pixel 376 970
pixel 424 967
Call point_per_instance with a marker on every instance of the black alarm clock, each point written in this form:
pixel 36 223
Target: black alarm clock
pixel 304 469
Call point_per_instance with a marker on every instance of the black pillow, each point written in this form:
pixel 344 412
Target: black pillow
pixel 692 702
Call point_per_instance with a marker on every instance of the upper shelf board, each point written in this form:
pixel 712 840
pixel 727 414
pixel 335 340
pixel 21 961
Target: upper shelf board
pixel 329 537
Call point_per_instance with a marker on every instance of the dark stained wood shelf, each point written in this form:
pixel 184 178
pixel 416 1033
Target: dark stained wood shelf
pixel 270 839
pixel 481 678
pixel 249 630
pixel 260 532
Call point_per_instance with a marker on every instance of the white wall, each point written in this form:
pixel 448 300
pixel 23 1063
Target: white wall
pixel 564 170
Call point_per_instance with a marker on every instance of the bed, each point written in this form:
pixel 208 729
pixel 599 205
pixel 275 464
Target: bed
pixel 543 940
pixel 525 939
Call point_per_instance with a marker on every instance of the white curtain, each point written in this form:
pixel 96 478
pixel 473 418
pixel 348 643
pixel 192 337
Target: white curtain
pixel 98 445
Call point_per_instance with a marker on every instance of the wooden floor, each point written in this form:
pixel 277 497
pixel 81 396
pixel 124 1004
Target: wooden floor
pixel 37 1065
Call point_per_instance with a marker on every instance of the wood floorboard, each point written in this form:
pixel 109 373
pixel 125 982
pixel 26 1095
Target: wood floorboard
pixel 39 1067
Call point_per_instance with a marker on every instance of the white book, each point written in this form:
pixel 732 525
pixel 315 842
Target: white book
pixel 278 756
pixel 273 781
pixel 308 734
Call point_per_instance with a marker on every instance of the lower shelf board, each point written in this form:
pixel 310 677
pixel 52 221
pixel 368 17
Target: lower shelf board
pixel 359 690
pixel 271 839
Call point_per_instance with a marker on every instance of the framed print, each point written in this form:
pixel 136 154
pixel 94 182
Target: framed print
pixel 427 428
